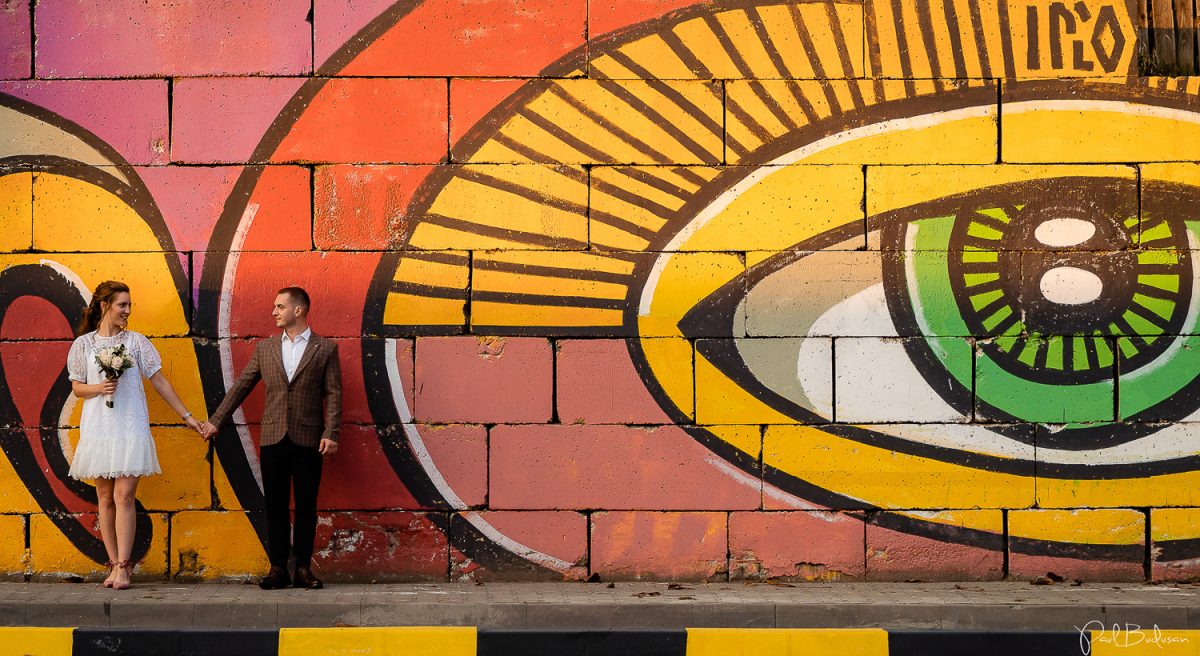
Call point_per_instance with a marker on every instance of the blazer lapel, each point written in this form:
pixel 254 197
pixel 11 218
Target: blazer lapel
pixel 314 343
pixel 276 349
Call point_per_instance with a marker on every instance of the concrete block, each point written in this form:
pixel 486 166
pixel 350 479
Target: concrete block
pixel 1071 132
pixel 933 44
pixel 873 475
pixel 14 557
pixel 605 16
pixel 396 120
pixel 363 207
pixel 460 453
pixel 429 292
pixel 14 495
pixel 330 278
pixel 798 369
pixel 684 280
pixel 471 100
pixel 216 545
pixel 824 293
pixel 494 38
pixel 1001 395
pixel 52 556
pixel 803 545
pixel 769 44
pixel 547 201
pixel 15 34
pixel 892 188
pixel 361 458
pixel 380 546
pixel 184 484
pixel 763 217
pixel 78 39
pixel 589 121
pixel 556 540
pixel 761 111
pixel 33 368
pixel 1092 544
pixel 611 467
pixel 898 556
pixel 129 115
pixel 617 397
pixel 191 199
pixel 16 210
pixel 483 379
pixel 877 381
pixel 1174 540
pixel 648 546
pixel 222 119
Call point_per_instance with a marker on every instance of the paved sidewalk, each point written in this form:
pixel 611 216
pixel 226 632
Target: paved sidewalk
pixel 966 606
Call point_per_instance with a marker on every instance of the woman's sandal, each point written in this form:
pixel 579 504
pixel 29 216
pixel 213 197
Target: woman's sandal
pixel 112 571
pixel 128 567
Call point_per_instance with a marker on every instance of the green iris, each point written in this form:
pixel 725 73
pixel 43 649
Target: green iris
pixel 1035 374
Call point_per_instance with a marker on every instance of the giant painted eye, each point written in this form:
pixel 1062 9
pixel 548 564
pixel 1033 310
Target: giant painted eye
pixel 1067 293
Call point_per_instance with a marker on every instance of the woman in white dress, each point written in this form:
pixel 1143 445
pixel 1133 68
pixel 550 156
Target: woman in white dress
pixel 115 447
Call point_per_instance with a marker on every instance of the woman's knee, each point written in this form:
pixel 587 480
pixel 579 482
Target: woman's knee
pixel 125 497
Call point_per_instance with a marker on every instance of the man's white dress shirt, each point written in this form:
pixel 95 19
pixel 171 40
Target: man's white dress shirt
pixel 293 350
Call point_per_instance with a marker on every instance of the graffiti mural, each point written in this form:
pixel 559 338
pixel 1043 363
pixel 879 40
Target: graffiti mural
pixel 697 290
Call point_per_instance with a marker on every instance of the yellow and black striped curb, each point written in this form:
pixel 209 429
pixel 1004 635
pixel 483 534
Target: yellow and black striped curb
pixel 1129 640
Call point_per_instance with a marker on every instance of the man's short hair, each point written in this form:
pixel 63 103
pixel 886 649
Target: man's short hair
pixel 298 296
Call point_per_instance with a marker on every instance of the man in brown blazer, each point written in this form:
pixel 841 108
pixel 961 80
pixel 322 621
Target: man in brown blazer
pixel 300 423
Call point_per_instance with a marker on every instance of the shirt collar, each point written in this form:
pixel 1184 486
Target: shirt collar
pixel 302 337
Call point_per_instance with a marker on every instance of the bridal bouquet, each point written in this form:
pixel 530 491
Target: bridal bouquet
pixel 113 361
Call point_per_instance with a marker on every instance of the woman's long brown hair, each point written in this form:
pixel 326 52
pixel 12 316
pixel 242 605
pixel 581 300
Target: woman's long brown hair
pixel 105 293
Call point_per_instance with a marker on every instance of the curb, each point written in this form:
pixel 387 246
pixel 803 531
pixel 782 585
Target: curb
pixel 1130 640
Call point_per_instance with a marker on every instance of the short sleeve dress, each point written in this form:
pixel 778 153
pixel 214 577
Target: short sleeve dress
pixel 114 441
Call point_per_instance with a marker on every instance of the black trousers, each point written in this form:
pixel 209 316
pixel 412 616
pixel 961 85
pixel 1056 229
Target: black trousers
pixel 288 469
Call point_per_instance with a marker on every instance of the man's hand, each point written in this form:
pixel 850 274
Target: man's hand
pixel 207 430
pixel 327 447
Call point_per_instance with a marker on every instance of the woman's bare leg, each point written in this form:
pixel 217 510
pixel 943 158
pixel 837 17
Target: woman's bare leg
pixel 108 531
pixel 125 500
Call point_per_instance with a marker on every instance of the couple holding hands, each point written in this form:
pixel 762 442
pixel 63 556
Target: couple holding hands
pixel 300 424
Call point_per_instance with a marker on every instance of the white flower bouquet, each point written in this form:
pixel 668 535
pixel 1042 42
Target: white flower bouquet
pixel 113 361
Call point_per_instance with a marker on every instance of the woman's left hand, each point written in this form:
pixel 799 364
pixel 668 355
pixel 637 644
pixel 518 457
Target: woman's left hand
pixel 193 424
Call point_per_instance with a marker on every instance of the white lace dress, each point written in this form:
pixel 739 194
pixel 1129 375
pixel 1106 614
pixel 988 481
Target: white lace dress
pixel 114 441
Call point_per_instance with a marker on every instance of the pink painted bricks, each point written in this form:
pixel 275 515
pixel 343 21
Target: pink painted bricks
pixel 131 38
pixel 483 380
pixel 650 546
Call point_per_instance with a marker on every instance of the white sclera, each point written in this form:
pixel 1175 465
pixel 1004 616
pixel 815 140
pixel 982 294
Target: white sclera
pixel 1071 286
pixel 1064 232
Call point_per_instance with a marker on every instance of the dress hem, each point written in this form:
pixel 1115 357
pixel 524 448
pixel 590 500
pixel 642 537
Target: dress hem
pixel 92 477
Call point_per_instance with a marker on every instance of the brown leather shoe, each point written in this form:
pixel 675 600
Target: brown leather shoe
pixel 306 580
pixel 276 579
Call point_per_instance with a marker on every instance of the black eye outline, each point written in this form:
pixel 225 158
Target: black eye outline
pixel 714 316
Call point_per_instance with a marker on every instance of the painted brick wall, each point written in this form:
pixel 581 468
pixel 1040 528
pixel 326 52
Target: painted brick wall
pixel 636 289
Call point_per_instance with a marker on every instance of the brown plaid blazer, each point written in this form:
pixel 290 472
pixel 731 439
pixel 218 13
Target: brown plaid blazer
pixel 293 409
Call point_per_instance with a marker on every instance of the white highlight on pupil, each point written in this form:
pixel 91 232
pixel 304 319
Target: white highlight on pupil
pixel 1064 232
pixel 1071 286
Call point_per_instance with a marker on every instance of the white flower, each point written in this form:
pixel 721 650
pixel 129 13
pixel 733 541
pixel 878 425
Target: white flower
pixel 105 358
pixel 117 362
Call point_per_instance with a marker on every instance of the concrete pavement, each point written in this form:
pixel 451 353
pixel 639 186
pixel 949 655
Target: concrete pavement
pixel 1004 606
